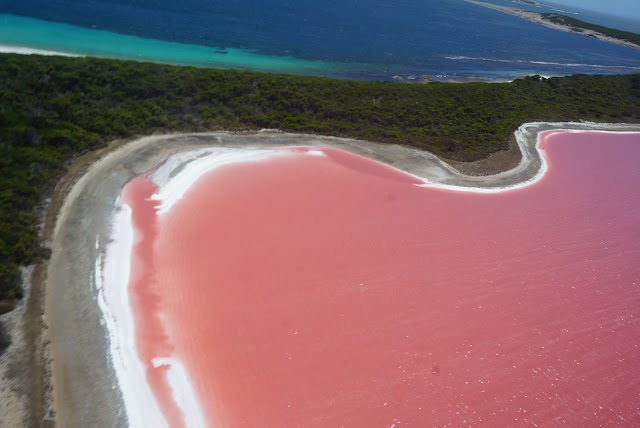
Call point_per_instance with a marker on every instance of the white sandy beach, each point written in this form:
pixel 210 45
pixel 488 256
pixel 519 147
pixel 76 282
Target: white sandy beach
pixel 32 51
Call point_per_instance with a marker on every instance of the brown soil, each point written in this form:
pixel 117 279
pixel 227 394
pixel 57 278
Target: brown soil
pixel 493 164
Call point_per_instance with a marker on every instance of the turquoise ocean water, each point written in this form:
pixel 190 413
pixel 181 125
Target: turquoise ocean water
pixel 66 38
pixel 367 39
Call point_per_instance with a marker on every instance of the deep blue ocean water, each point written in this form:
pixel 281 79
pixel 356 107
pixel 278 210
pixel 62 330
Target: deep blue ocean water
pixel 364 39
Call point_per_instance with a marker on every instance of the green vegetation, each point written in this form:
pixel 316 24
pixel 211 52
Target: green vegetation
pixel 54 109
pixel 579 26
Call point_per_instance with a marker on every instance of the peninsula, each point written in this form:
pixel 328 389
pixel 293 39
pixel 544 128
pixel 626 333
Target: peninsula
pixel 570 25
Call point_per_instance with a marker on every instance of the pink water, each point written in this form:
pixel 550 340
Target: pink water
pixel 331 291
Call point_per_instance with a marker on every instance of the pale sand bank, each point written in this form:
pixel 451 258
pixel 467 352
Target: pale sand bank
pixel 85 387
pixel 31 51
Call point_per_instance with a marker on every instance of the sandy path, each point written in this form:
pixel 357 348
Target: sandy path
pixel 84 388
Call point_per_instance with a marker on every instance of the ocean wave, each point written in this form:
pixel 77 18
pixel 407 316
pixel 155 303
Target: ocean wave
pixel 555 64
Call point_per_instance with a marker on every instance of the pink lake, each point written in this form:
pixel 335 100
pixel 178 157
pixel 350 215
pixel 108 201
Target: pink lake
pixel 332 291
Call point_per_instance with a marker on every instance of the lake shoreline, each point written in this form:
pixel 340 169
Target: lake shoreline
pixel 85 197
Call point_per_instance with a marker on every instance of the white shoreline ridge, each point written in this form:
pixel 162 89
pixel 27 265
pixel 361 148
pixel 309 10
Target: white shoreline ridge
pixel 182 170
pixel 523 135
pixel 173 178
pixel 32 51
pixel 141 405
pixel 531 153
pixel 112 282
pixel 192 156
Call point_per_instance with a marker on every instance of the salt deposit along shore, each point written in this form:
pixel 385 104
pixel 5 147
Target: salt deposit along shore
pixel 82 376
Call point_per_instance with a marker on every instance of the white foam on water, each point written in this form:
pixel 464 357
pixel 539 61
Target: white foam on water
pixel 522 61
pixel 316 152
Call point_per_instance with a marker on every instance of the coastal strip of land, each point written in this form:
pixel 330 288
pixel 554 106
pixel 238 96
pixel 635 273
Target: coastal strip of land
pixel 562 23
pixel 31 51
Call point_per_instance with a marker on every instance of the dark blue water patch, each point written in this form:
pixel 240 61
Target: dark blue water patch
pixel 405 37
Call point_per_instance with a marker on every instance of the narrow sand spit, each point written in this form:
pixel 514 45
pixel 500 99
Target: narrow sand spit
pixel 83 377
pixel 538 18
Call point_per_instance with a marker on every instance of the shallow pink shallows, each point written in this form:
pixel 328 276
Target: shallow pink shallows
pixel 331 291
